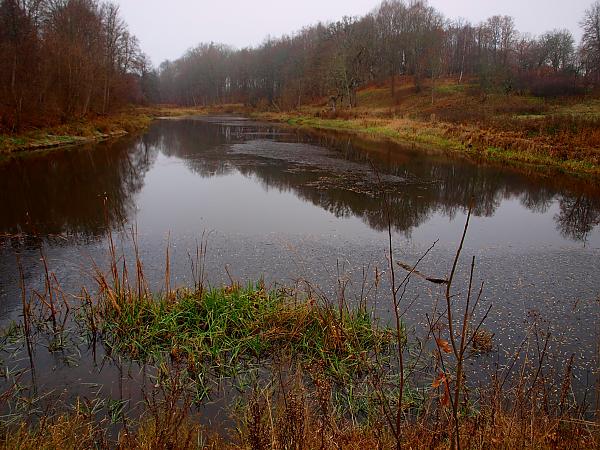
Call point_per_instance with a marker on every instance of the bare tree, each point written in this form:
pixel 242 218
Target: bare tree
pixel 391 33
pixel 62 59
pixel 590 41
pixel 18 50
pixel 557 49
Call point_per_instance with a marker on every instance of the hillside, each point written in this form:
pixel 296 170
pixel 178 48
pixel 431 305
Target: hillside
pixel 557 133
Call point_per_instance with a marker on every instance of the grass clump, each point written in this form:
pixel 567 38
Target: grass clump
pixel 75 430
pixel 230 326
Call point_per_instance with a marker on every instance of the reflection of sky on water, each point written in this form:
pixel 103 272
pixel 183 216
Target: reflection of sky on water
pixel 250 178
pixel 511 226
pixel 232 203
pixel 177 199
pixel 286 205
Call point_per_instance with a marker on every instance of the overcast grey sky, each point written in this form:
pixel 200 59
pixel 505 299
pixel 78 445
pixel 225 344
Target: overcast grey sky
pixel 167 28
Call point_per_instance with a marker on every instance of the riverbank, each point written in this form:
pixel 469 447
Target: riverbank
pixel 462 141
pixel 95 129
pixel 542 135
pixel 552 135
pixel 74 133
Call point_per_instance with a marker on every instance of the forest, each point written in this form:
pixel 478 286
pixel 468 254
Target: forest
pixel 398 38
pixel 66 59
pixel 63 60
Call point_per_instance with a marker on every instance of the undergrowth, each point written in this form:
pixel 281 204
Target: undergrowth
pixel 305 372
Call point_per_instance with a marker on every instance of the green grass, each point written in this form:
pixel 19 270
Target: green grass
pixel 230 326
pixel 419 134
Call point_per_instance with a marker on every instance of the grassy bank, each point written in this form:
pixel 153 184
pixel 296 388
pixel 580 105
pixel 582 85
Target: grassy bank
pixel 550 135
pixel 98 128
pixel 462 141
pixel 75 132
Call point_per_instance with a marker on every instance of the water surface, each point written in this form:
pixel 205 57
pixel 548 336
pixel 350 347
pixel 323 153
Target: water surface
pixel 288 205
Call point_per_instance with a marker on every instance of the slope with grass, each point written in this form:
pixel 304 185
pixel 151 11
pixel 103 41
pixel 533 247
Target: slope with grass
pixel 547 134
pixel 94 129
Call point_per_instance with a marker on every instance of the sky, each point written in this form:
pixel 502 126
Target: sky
pixel 167 28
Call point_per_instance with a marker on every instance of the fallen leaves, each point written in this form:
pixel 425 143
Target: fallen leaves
pixel 442 380
pixel 443 345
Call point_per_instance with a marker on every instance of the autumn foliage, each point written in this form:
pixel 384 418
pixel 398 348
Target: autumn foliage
pixel 66 59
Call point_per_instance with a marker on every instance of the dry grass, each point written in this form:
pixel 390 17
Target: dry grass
pixel 94 128
pixel 483 341
pixel 302 419
pixel 558 134
pixel 565 152
pixel 72 431
pixel 75 132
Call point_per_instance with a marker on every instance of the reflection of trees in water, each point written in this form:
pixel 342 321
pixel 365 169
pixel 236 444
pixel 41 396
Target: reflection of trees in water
pixel 456 185
pixel 202 145
pixel 434 183
pixel 66 192
pixel 411 204
pixel 539 200
pixel 578 216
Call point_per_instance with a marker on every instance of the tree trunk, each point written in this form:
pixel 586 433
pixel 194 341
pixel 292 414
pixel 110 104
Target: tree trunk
pixel 13 87
pixel 106 94
pixel 462 63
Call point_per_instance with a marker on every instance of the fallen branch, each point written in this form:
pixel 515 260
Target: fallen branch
pixel 422 275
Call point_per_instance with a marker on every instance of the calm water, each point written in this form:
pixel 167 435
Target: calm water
pixel 285 206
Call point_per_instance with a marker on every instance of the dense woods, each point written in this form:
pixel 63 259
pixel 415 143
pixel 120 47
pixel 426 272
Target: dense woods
pixel 397 39
pixel 65 59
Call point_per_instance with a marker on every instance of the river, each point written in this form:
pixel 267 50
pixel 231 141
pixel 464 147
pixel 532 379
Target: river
pixel 297 206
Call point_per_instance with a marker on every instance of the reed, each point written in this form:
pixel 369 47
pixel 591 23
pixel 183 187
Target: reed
pixel 310 372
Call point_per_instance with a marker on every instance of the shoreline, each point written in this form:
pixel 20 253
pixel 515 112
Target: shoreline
pixel 84 131
pixel 436 136
pixel 463 141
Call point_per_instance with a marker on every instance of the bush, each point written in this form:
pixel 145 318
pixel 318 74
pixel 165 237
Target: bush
pixel 550 84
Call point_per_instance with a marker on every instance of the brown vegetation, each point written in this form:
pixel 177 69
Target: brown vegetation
pixel 560 134
pixel 299 419
pixel 66 60
pixel 99 127
pixel 422 396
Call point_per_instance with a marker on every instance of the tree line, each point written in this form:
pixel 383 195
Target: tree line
pixel 66 59
pixel 396 39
